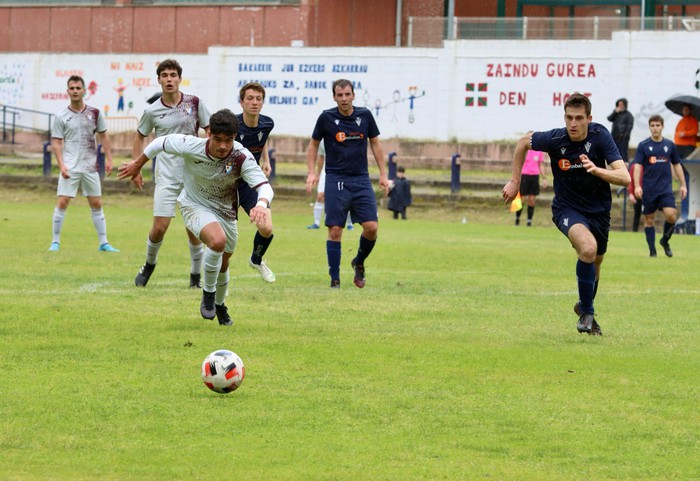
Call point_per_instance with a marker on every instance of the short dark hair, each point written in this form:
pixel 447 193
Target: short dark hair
pixel 169 64
pixel 76 78
pixel 257 86
pixel 576 100
pixel 342 82
pixel 223 122
pixel 656 118
pixel 401 169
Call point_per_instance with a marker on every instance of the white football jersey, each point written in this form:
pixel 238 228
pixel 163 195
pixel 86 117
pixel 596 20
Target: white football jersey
pixel 77 129
pixel 212 182
pixel 184 118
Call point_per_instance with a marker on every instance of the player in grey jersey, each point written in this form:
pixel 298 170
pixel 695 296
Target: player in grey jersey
pixel 73 144
pixel 208 203
pixel 173 113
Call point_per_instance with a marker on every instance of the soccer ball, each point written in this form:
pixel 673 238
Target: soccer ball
pixel 223 371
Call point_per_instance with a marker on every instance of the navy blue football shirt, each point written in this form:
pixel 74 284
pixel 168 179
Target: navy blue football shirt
pixel 254 138
pixel 345 139
pixel 574 187
pixel 657 158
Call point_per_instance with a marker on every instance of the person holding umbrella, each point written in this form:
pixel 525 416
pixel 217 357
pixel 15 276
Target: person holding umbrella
pixel 686 132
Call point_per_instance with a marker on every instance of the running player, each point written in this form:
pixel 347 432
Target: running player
pixel 73 143
pixel 345 131
pixel 173 113
pixel 212 169
pixel 658 156
pixel 254 130
pixel 584 161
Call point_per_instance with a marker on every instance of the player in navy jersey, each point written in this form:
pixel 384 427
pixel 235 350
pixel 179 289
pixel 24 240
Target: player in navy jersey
pixel 658 156
pixel 584 161
pixel 73 143
pixel 345 131
pixel 174 112
pixel 254 130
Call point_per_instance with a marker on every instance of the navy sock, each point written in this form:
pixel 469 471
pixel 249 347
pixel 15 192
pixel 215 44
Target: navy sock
pixel 651 237
pixel 333 253
pixel 668 230
pixel 260 245
pixel 585 274
pixel 363 251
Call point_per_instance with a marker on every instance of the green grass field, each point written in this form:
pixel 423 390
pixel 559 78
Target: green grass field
pixel 460 360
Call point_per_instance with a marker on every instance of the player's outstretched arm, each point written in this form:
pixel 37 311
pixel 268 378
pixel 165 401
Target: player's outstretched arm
pixel 378 153
pixel 617 174
pixel 511 189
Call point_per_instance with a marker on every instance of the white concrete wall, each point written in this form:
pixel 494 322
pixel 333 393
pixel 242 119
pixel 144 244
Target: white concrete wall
pixel 468 91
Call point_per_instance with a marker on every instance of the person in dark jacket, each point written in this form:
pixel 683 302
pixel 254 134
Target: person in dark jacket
pixel 622 123
pixel 400 194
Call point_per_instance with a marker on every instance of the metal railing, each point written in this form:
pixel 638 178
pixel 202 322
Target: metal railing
pixel 12 120
pixel 431 31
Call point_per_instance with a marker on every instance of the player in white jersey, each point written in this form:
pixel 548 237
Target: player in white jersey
pixel 173 113
pixel 73 143
pixel 209 201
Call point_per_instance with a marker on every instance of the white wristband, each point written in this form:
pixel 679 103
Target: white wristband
pixel 261 203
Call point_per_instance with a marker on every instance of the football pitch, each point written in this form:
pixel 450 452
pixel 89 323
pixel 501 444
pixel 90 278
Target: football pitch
pixel 459 360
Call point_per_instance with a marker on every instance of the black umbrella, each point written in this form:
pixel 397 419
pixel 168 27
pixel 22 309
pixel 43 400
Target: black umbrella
pixel 675 105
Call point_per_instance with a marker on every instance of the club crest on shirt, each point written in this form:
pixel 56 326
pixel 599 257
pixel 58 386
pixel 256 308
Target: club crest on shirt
pixel 358 121
pixel 666 148
pixel 337 122
pixel 587 146
pixel 260 136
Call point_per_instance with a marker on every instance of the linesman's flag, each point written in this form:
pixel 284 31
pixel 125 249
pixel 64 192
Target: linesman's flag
pixel 517 203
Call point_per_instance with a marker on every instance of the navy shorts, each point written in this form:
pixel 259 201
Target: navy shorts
pixel 352 194
pixel 247 197
pixel 652 203
pixel 598 224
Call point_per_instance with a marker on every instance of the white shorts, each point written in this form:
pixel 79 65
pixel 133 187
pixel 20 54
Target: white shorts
pixel 196 218
pixel 322 181
pixel 90 183
pixel 165 199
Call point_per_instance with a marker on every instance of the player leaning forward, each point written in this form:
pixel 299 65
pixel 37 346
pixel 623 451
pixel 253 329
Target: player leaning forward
pixel 585 161
pixel 209 201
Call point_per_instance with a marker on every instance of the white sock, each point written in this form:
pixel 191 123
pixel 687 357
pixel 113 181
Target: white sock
pixel 212 266
pixel 349 220
pixel 152 249
pixel 318 211
pixel 221 288
pixel 196 256
pixel 697 226
pixel 98 219
pixel 58 216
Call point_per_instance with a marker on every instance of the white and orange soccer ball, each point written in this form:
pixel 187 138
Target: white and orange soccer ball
pixel 223 371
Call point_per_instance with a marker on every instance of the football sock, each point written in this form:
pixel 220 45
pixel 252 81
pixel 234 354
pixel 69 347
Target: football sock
pixel 651 237
pixel 348 221
pixel 518 213
pixel 318 212
pixel 196 256
pixel 212 265
pixel 585 274
pixel 595 288
pixel 530 211
pixel 697 226
pixel 58 216
pixel 364 250
pixel 668 230
pixel 98 219
pixel 260 245
pixel 333 253
pixel 152 249
pixel 221 287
